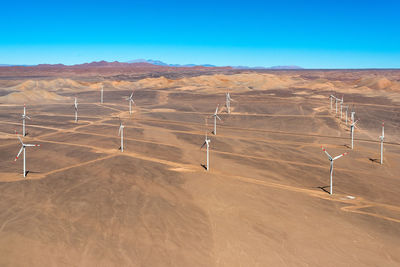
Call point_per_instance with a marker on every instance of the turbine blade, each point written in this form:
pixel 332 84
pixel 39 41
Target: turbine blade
pixel 218 117
pixel 19 153
pixel 341 155
pixel 27 117
pixel 203 145
pixel 31 145
pixel 326 152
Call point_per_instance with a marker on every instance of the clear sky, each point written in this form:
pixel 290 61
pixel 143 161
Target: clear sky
pixel 311 34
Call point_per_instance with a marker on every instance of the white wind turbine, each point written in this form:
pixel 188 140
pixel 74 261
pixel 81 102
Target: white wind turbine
pixel 228 102
pixel 331 169
pixel 347 110
pixel 23 147
pixel 352 113
pixel 352 127
pixel 336 101
pixel 24 117
pixel 382 138
pixel 121 133
pixel 215 115
pixel 331 97
pixel 207 143
pixel 130 100
pixel 341 107
pixel 76 109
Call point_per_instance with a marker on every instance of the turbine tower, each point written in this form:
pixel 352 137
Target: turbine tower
pixel 207 143
pixel 130 100
pixel 331 169
pixel 352 126
pixel 341 107
pixel 23 147
pixel 121 133
pixel 352 114
pixel 24 117
pixel 382 138
pixel 347 110
pixel 336 101
pixel 215 115
pixel 76 110
pixel 228 100
pixel 331 97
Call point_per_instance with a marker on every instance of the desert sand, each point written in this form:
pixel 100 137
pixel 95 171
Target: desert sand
pixel 264 201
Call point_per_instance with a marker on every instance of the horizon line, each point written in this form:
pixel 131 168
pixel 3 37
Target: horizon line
pixel 274 67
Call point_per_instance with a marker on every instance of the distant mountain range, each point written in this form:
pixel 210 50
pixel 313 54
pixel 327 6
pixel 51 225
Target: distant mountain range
pixel 160 63
pixel 270 68
pixel 142 62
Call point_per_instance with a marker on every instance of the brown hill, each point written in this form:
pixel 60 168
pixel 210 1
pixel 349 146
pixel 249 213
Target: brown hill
pixel 378 83
pixel 95 68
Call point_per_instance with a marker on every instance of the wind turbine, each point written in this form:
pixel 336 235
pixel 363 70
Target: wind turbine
pixel 347 109
pixel 24 116
pixel 76 110
pixel 341 107
pixel 382 138
pixel 215 115
pixel 207 143
pixel 352 126
pixel 331 97
pixel 331 169
pixel 336 101
pixel 23 147
pixel 130 99
pixel 228 102
pixel 121 133
pixel 101 94
pixel 352 113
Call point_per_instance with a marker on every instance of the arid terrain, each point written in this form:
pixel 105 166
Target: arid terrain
pixel 264 201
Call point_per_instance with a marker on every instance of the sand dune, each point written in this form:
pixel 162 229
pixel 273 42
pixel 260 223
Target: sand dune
pixel 154 82
pixel 49 85
pixel 61 84
pixel 34 90
pixel 220 82
pixel 116 84
pixel 375 83
pixel 32 96
pixel 49 90
pixel 378 83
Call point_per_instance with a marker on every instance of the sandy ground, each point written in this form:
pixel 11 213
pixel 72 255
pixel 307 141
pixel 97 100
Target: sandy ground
pixel 264 202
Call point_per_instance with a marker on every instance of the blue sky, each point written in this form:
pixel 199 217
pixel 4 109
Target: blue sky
pixel 311 34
